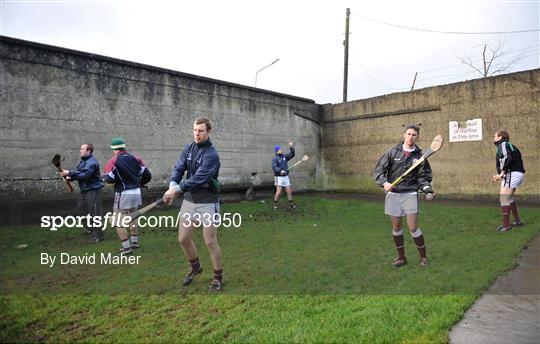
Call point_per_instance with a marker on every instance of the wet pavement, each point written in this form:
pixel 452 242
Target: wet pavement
pixel 509 312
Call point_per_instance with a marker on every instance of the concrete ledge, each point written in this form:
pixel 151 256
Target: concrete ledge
pixel 53 48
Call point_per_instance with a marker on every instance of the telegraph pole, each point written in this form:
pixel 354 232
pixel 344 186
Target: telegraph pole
pixel 414 81
pixel 346 59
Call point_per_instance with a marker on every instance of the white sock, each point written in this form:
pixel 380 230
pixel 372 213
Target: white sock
pixel 125 243
pixel 135 238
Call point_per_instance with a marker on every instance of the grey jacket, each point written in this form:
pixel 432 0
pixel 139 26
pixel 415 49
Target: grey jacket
pixel 393 164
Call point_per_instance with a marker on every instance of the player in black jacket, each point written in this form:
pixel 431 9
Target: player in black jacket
pixel 511 172
pixel 402 200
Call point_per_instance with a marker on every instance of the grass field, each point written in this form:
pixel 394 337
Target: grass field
pixel 319 274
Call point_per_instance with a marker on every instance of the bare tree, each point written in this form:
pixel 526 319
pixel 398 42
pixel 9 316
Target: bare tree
pixel 493 61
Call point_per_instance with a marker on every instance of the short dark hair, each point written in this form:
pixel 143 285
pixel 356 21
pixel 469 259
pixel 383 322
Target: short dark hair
pixel 504 135
pixel 415 127
pixel 205 120
pixel 89 147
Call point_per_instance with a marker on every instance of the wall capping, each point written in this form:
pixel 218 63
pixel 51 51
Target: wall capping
pixel 41 46
pixel 382 114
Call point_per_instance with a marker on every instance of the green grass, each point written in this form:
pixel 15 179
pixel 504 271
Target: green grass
pixel 319 274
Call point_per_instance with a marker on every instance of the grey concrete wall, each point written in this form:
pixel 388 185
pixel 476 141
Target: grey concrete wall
pixel 355 134
pixel 54 99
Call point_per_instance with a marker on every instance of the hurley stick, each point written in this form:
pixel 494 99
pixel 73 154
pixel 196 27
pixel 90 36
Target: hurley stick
pixel 304 158
pixel 435 146
pixel 56 162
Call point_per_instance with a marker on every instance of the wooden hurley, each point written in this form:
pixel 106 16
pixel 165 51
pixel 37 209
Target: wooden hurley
pixel 436 144
pixel 304 158
pixel 56 162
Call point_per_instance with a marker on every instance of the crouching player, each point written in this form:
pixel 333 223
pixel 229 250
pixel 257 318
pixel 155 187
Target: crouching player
pixel 402 200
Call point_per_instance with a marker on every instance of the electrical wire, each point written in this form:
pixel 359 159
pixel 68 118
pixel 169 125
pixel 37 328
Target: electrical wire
pixel 373 78
pixel 444 32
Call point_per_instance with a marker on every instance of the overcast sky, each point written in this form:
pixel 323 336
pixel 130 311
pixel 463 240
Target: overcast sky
pixel 230 40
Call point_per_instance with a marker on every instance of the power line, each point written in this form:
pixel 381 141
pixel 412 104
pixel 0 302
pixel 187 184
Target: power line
pixel 440 68
pixel 445 32
pixel 447 76
pixel 373 78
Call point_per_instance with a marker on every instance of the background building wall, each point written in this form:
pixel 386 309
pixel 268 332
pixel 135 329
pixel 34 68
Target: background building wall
pixel 54 99
pixel 355 134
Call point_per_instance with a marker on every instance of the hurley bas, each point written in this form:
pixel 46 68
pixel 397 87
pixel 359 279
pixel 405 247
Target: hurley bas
pixel 89 259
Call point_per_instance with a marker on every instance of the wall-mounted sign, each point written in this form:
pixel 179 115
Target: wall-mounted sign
pixel 471 131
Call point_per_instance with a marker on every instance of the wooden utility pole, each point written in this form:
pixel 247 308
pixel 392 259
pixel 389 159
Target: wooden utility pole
pixel 346 59
pixel 414 81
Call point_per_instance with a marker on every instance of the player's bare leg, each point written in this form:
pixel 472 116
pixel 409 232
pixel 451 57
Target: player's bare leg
pixel 288 190
pixel 210 239
pixel 185 238
pixel 506 194
pixel 133 229
pixel 276 196
pixel 123 232
pixel 124 239
pixel 399 241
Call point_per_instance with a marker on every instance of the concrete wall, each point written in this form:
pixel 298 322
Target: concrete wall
pixel 54 99
pixel 355 134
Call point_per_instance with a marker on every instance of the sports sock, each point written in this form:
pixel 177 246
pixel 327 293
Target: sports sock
pixel 135 238
pixel 513 208
pixel 218 275
pixel 125 243
pixel 195 264
pixel 418 238
pixel 399 241
pixel 505 211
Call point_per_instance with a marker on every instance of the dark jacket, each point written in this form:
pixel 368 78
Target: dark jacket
pixel 508 158
pixel 201 161
pixel 393 164
pixel 125 171
pixel 279 163
pixel 87 174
